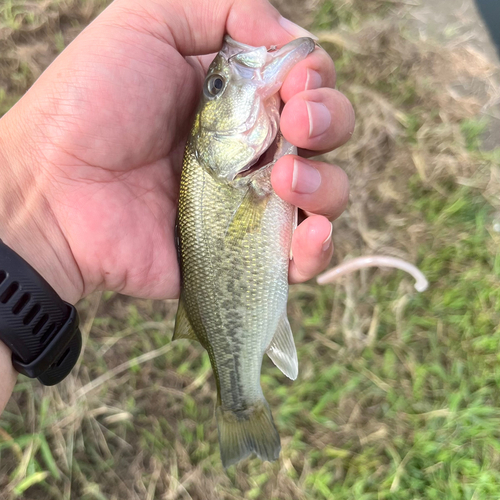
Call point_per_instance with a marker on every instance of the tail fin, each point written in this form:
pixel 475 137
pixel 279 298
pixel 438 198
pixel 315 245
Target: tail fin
pixel 247 431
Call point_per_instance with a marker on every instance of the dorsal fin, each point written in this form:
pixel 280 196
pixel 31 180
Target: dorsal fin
pixel 282 350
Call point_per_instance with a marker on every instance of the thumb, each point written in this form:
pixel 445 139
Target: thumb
pixel 196 27
pixel 259 23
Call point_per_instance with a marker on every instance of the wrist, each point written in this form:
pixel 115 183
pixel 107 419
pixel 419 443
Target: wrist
pixel 8 375
pixel 29 226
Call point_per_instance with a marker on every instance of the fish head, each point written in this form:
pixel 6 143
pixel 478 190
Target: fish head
pixel 238 116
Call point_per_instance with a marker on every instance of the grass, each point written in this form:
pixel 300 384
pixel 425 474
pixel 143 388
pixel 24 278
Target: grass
pixel 397 396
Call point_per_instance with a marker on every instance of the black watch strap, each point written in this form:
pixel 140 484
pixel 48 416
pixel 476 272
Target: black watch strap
pixel 35 323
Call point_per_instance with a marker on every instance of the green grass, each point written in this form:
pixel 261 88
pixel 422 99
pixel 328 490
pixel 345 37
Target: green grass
pixel 398 393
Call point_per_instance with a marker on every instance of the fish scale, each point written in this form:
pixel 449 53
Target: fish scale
pixel 234 242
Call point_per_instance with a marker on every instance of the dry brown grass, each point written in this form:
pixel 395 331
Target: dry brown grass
pixel 32 34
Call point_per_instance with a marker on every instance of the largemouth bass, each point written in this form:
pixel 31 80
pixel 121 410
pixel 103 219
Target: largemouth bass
pixel 234 236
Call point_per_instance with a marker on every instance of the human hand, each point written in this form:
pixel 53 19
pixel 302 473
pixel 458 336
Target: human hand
pixel 95 147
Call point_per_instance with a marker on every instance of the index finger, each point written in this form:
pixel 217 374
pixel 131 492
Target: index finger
pixel 315 71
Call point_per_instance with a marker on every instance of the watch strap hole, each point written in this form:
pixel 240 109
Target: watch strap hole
pixel 21 303
pixel 62 358
pixel 40 324
pixel 31 315
pixel 9 292
pixel 3 276
pixel 48 333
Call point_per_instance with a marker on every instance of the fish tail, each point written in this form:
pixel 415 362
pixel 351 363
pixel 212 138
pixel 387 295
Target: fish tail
pixel 246 431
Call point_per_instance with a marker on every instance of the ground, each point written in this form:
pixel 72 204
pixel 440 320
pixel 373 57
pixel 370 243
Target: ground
pixel 397 396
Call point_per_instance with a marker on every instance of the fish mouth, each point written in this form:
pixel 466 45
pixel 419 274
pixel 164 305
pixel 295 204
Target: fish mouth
pixel 273 63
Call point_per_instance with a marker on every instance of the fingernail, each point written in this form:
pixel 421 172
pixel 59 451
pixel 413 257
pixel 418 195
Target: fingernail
pixel 319 118
pixel 294 29
pixel 327 243
pixel 306 179
pixel 313 80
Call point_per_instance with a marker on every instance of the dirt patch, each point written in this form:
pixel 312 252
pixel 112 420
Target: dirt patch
pixel 458 26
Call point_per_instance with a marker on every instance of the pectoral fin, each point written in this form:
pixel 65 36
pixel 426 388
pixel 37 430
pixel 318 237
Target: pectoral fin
pixel 248 216
pixel 282 350
pixel 183 328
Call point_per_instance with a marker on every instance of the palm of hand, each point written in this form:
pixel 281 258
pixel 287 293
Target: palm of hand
pixel 120 127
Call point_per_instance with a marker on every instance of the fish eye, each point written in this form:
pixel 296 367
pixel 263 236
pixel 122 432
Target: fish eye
pixel 214 85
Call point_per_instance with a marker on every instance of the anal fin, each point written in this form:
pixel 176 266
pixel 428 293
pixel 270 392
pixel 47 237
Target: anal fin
pixel 282 350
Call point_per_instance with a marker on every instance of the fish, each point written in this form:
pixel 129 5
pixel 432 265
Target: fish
pixel 234 237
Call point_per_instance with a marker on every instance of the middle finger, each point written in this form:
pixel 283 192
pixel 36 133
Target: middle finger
pixel 313 186
pixel 318 120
